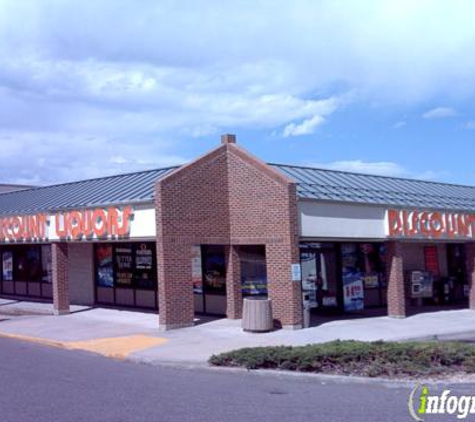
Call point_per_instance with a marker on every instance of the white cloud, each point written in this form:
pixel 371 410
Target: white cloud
pixel 307 127
pixel 399 125
pixel 469 125
pixel 440 113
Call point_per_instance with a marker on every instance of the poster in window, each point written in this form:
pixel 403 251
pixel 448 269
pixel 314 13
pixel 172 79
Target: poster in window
pixel 144 266
pixel 105 269
pixel 196 269
pixel 7 266
pixel 124 264
pixel 353 291
pixel 46 264
pixel 431 258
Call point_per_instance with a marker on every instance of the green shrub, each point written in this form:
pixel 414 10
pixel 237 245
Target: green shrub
pixel 357 358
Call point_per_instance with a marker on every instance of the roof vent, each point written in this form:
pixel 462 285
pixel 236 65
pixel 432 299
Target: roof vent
pixel 228 139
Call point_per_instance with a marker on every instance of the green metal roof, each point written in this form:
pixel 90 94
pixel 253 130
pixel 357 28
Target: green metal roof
pixel 312 183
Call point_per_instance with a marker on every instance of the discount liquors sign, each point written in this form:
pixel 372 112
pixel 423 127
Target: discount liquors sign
pixel 415 224
pixel 97 223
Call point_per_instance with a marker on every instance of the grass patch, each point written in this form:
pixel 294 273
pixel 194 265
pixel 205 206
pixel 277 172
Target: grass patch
pixel 375 359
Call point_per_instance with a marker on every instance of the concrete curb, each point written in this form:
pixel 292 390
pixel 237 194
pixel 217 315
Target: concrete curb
pixel 322 378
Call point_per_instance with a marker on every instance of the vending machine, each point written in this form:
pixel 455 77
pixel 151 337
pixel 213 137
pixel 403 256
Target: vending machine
pixel 422 284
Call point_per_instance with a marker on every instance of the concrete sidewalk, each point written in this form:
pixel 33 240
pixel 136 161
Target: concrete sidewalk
pixel 134 336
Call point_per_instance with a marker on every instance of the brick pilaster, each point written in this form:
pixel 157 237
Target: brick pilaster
pixel 286 294
pixel 395 280
pixel 59 260
pixel 470 262
pixel 233 283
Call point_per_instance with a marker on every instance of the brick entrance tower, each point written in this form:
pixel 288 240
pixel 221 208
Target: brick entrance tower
pixel 227 197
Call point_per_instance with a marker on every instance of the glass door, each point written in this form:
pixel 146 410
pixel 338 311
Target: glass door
pixel 320 277
pixel 213 280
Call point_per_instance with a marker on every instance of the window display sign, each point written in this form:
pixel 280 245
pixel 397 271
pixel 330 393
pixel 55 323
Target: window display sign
pixel 124 261
pixel 196 269
pixel 353 291
pixel 371 281
pixel 7 266
pixel 430 224
pixel 296 271
pixel 104 267
pixel 144 265
pixel 126 265
pixel 431 258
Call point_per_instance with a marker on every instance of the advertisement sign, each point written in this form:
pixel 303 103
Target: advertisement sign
pixel 255 286
pixel 371 281
pixel 296 270
pixel 124 264
pixel 7 266
pixel 353 293
pixel 431 260
pixel 353 290
pixel 145 273
pixel 105 269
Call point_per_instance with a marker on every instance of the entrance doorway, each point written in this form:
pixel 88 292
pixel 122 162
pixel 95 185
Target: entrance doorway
pixel 320 284
pixel 457 291
pixel 209 279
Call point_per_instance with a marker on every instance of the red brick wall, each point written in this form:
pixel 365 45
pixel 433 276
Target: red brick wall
pixel 227 197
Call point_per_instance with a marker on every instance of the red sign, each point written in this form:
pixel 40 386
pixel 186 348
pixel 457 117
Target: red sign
pixel 96 223
pixel 430 224
pixel 31 227
pixel 431 258
pixel 99 223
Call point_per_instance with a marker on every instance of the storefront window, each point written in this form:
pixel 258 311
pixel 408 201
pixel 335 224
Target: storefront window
pixel 253 270
pixel 130 265
pixel 214 269
pixel 47 273
pixel 145 275
pixel 319 275
pixel 7 266
pixel 25 263
pixel 362 273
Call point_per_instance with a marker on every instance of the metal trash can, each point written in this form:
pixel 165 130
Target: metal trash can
pixel 257 315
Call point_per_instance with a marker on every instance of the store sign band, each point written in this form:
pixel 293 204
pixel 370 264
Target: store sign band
pixel 430 224
pixel 98 223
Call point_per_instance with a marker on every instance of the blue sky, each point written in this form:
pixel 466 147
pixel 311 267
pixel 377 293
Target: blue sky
pixel 96 88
